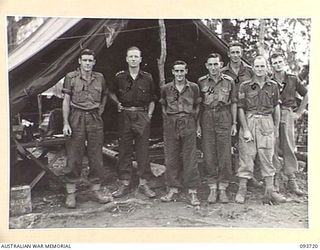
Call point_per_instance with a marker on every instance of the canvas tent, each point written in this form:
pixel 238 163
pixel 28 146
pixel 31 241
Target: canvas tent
pixel 52 51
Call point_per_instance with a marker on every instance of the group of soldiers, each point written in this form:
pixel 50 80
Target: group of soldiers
pixel 231 105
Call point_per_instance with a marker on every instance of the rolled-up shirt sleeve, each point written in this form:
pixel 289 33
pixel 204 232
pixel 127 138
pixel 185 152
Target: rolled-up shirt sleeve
pixel 197 95
pixel 66 89
pixel 233 93
pixel 242 97
pixel 276 96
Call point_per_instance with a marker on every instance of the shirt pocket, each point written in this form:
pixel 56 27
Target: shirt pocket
pixel 77 91
pixel 171 99
pixel 143 94
pixel 253 98
pixel 208 95
pixel 223 95
pixel 186 103
pixel 96 93
pixel 266 99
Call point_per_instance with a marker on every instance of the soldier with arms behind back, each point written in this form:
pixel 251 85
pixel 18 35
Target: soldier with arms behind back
pixel 289 85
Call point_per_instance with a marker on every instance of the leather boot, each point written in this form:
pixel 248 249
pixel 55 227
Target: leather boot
pixel 212 198
pixel 194 201
pixel 71 195
pixel 293 186
pixel 253 182
pixel 242 191
pixel 277 183
pixel 278 198
pixel 99 196
pixel 270 196
pixel 223 198
pixel 147 191
pixel 170 196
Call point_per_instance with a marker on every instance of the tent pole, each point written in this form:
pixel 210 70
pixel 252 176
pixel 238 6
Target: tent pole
pixel 163 55
pixel 40 107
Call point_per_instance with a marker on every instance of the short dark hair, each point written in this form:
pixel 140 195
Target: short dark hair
pixel 87 52
pixel 134 48
pixel 276 54
pixel 235 43
pixel 179 62
pixel 214 55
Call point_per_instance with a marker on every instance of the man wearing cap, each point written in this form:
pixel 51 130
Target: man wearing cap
pixel 133 92
pixel 218 120
pixel 289 85
pixel 259 114
pixel 180 107
pixel 85 96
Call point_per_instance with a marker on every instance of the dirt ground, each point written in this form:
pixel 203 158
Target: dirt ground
pixel 135 210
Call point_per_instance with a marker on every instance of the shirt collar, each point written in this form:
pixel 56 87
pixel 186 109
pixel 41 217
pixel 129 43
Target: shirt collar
pixel 187 83
pixel 128 73
pixel 285 79
pixel 267 81
pixel 219 78
pixel 93 75
pixel 241 69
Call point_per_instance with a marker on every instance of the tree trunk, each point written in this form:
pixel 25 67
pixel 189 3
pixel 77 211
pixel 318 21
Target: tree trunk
pixel 163 55
pixel 226 31
pixel 261 47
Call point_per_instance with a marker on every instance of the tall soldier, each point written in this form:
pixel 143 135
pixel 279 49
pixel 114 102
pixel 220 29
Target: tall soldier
pixel 289 85
pixel 133 91
pixel 239 72
pixel 236 68
pixel 180 107
pixel 259 115
pixel 85 96
pixel 218 120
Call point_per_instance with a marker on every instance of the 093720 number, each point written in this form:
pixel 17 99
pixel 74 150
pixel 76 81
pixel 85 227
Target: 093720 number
pixel 308 246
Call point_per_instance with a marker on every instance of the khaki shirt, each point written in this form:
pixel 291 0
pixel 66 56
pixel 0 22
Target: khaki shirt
pixel 215 94
pixel 256 100
pixel 85 95
pixel 245 73
pixel 288 89
pixel 180 102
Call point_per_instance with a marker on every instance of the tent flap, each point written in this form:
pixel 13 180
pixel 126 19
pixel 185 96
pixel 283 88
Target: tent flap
pixel 46 78
pixel 46 34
